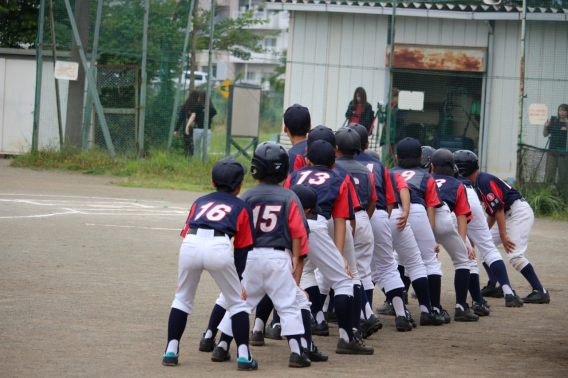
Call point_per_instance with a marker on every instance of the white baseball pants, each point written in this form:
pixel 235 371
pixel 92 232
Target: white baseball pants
pixel 364 246
pixel 406 248
pixel 447 235
pixel 384 267
pixel 418 219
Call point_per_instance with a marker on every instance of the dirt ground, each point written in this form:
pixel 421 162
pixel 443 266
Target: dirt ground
pixel 88 271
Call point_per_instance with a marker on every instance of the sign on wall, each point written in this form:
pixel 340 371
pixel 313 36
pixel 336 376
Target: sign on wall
pixel 538 114
pixel 437 58
pixel 409 100
pixel 66 70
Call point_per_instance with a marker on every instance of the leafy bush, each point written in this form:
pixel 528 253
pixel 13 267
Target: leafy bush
pixel 545 201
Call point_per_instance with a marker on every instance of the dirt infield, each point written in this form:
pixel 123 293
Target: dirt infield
pixel 88 271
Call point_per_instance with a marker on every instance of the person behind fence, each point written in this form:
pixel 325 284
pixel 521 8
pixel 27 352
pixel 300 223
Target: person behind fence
pixel 397 126
pixel 200 121
pixel 185 118
pixel 556 130
pixel 359 110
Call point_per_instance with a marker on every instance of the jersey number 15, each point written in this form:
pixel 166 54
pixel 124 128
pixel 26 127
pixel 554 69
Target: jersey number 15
pixel 269 216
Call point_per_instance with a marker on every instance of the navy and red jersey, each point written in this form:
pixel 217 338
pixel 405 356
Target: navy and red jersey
pixel 363 179
pixel 223 212
pixel 452 192
pixel 468 184
pixel 383 182
pixel 422 186
pixel 296 154
pixel 278 216
pixel 332 190
pixel 495 193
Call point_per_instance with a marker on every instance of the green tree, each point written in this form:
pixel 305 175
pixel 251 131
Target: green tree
pixel 18 23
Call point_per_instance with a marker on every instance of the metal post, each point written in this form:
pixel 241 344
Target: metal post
pixel 208 93
pixel 521 86
pixel 391 78
pixel 144 81
pixel 229 121
pixel 93 68
pixel 181 76
pixel 39 72
pixel 91 82
pixel 54 54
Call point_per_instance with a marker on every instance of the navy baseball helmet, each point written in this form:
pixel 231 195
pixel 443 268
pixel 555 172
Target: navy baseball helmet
pixel 228 172
pixel 426 153
pixel 442 157
pixel 363 133
pixel 456 172
pixel 269 158
pixel 348 140
pixel 466 161
pixel 409 148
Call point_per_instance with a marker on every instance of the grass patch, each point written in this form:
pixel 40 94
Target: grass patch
pixel 546 202
pixel 156 170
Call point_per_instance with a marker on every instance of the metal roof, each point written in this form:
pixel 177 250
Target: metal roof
pixel 555 10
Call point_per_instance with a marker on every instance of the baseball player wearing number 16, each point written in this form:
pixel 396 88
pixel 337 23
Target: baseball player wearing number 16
pixel 212 221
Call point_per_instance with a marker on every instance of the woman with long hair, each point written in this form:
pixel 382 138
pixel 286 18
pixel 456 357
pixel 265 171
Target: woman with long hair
pixel 186 116
pixel 557 160
pixel 199 122
pixel 359 110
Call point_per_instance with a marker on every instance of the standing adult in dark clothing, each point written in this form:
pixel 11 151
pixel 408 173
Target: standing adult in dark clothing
pixel 557 160
pixel 359 110
pixel 199 110
pixel 186 117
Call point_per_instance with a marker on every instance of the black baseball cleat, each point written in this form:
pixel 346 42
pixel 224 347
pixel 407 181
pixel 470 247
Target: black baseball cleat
pixel 321 329
pixel 246 365
pixel 465 315
pixel 297 361
pixel 219 355
pixel 386 309
pixel 356 346
pixel 273 333
pixel 444 314
pixel 485 303
pixel 403 324
pixel 411 319
pixel 370 326
pixel 537 296
pixel 207 344
pixel 427 319
pixel 480 309
pixel 315 355
pixel 513 300
pixel 256 338
pixel 492 291
pixel 170 359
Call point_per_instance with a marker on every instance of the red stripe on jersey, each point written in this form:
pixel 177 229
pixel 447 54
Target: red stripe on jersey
pixel 374 197
pixel 431 195
pixel 287 182
pixel 389 191
pixel 462 206
pixel 186 227
pixel 400 182
pixel 353 194
pixel 243 237
pixel 496 190
pixel 341 204
pixel 299 162
pixel 296 225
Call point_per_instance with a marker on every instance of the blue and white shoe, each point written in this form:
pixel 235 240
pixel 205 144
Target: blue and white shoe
pixel 170 359
pixel 243 364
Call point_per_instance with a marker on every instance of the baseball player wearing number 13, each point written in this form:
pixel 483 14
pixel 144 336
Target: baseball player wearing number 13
pixel 212 221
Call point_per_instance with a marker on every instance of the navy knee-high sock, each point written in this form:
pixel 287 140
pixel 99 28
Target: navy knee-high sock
pixel 176 324
pixel 530 275
pixel 275 317
pixel 474 288
pixel 264 308
pixel 422 290
pixel 344 311
pixel 461 285
pixel 499 272
pixel 307 320
pixel 241 327
pixel 356 315
pixel 491 273
pixel 215 319
pixel 369 294
pixel 315 298
pixel 331 303
pixel 435 286
pixel 364 300
pixel 226 338
pixel 405 280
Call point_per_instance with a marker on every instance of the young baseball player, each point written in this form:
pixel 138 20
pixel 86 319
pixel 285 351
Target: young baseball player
pixel 348 144
pixel 454 198
pixel 213 220
pixel 424 200
pixel 384 267
pixel 333 200
pixel 514 217
pixel 275 259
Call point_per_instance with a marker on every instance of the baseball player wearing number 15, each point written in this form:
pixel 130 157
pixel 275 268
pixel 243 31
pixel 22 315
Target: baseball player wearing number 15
pixel 212 221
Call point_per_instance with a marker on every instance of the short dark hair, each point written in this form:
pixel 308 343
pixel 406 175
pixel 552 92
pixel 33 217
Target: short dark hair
pixel 444 170
pixel 224 188
pixel 411 162
pixel 275 178
pixel 297 130
pixel 350 151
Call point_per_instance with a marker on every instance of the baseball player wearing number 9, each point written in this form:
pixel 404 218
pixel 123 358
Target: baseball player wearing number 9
pixel 213 220
pixel 514 217
pixel 274 265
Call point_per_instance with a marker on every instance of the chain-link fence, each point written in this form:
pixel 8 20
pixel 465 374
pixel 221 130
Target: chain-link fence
pixel 454 74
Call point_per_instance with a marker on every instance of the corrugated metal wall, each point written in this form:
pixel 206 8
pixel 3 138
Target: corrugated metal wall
pixel 440 32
